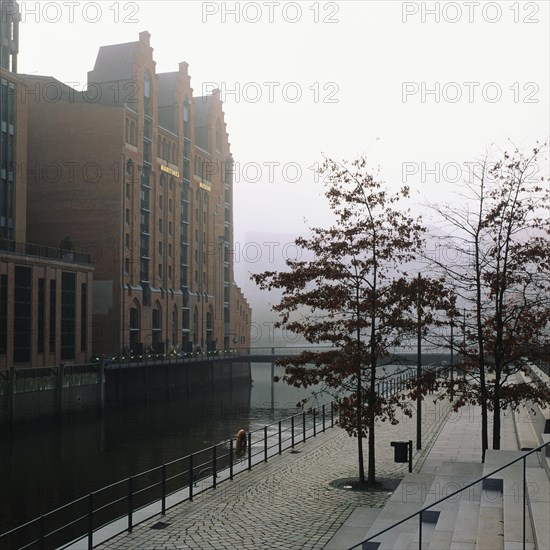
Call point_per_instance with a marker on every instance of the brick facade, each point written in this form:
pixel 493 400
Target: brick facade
pixel 45 293
pixel 143 184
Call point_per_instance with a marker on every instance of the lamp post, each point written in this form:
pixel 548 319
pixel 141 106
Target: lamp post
pixel 419 369
pixel 452 358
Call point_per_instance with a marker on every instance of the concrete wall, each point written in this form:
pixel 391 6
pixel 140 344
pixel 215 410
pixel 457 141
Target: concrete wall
pixel 53 394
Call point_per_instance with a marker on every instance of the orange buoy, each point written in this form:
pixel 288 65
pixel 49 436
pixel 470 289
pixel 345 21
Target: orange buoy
pixel 240 445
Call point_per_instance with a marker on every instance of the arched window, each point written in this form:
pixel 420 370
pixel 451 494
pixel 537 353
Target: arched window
pixel 159 149
pixel 195 327
pixel 135 325
pixel 156 327
pixel 210 340
pixel 175 339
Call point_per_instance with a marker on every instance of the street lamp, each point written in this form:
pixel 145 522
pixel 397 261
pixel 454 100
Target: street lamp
pixel 419 369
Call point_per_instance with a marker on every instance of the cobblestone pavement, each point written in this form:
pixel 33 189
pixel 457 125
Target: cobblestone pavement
pixel 288 502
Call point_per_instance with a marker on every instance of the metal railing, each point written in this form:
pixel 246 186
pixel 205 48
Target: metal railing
pixel 42 251
pixel 142 496
pixel 459 491
pixel 162 487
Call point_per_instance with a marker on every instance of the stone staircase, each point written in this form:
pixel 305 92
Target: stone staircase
pixel 487 516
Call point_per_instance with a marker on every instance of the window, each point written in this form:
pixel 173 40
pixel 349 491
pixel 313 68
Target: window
pixel 22 315
pixel 127 190
pixel 160 202
pixel 160 226
pixel 41 313
pixel 218 136
pixel 52 316
pixel 127 266
pixel 127 216
pixel 68 312
pixel 169 228
pixel 169 250
pixel 160 248
pixel 186 118
pixel 147 92
pixel 134 323
pixel 160 271
pixel 127 241
pixel 3 313
pixel 83 317
pixel 170 272
pixel 170 205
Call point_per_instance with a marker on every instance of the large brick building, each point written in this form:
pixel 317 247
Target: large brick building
pixel 138 173
pixel 45 292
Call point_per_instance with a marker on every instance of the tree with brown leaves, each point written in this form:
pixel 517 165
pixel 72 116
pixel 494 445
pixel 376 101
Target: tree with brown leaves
pixel 356 295
pixel 500 241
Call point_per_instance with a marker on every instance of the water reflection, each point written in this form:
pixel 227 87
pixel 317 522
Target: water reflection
pixel 45 466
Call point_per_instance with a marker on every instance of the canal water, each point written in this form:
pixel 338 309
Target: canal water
pixel 46 465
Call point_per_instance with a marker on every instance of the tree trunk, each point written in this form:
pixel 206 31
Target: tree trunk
pixel 359 393
pixel 496 426
pixel 372 461
pixel 496 414
pixel 360 431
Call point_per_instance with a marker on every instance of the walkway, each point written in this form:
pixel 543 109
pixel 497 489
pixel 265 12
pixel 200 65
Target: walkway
pixel 458 441
pixel 286 503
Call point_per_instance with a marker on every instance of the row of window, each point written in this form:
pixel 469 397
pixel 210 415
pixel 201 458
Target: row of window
pixel 22 315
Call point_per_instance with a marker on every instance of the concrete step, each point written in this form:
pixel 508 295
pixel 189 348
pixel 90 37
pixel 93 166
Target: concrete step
pixel 405 541
pixel 439 523
pixel 408 498
pixel 490 529
pixel 538 497
pixel 513 511
pixel 466 526
pixel 512 499
pixel 530 419
pixel 353 530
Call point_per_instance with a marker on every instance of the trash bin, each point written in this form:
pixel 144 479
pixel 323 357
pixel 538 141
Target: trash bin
pixel 401 451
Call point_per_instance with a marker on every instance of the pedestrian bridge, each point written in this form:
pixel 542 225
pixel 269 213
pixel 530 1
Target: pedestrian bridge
pixel 252 355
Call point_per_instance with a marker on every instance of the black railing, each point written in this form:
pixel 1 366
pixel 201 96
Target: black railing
pixel 140 497
pixel 459 491
pixel 41 251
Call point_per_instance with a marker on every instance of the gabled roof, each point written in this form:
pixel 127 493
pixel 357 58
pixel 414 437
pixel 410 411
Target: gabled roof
pixel 114 63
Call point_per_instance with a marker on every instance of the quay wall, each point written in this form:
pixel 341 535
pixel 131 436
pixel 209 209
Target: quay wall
pixel 52 393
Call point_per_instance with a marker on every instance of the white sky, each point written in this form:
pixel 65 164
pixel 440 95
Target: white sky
pixel 359 55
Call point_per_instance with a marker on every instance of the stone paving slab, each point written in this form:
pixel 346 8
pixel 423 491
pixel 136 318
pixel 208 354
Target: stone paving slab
pixel 287 503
